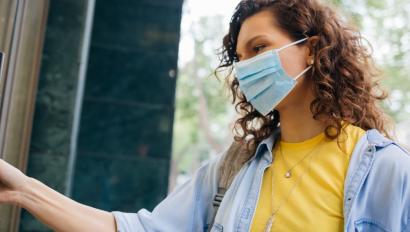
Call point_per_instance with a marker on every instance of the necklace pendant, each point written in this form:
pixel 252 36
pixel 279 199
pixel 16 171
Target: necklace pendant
pixel 269 223
pixel 288 174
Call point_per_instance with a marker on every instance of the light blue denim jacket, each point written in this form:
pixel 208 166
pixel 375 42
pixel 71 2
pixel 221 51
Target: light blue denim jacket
pixel 376 194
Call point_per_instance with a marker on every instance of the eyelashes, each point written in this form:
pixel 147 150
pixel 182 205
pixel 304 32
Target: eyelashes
pixel 258 48
pixel 255 49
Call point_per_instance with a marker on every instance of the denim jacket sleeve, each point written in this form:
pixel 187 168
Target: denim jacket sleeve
pixel 383 203
pixel 185 209
pixel 394 171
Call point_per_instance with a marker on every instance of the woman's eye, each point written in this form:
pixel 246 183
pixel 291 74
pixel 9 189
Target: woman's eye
pixel 258 48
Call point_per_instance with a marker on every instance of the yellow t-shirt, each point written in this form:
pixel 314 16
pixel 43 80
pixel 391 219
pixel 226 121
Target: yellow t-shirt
pixel 316 203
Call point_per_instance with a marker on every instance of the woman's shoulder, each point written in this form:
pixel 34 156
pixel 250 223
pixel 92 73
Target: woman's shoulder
pixel 386 185
pixel 390 154
pixel 396 156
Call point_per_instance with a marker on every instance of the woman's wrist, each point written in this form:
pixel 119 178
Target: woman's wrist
pixel 19 196
pixel 26 194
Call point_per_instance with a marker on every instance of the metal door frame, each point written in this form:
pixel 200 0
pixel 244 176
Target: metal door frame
pixel 22 42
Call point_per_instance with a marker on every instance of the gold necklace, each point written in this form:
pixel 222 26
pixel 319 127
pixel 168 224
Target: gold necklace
pixel 271 219
pixel 288 174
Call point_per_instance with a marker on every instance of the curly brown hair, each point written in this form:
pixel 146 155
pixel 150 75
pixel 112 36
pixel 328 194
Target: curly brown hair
pixel 346 81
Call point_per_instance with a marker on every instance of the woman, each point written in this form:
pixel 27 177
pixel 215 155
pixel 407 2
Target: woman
pixel 319 156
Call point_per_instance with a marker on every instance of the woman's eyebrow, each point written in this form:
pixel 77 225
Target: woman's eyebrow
pixel 250 41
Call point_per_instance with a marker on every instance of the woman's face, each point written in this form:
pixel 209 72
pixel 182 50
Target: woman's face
pixel 258 34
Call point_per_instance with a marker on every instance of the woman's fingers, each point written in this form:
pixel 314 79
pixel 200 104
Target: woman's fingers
pixel 2 186
pixel 8 196
pixel 4 173
pixel 11 177
pixel 12 183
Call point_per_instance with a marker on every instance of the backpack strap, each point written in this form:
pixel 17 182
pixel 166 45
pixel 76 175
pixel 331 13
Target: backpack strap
pixel 234 158
pixel 230 164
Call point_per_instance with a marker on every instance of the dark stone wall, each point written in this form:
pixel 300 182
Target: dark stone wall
pixel 124 146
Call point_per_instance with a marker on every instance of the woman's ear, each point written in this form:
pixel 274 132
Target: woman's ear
pixel 311 44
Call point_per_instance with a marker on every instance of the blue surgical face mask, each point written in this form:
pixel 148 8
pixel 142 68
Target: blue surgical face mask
pixel 263 80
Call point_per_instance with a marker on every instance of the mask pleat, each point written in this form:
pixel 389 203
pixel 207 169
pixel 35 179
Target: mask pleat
pixel 263 83
pixel 244 70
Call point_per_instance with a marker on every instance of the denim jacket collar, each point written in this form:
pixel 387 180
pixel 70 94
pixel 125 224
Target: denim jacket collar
pixel 373 137
pixel 266 144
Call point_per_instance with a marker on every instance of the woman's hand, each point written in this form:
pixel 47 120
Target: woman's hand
pixel 50 207
pixel 12 183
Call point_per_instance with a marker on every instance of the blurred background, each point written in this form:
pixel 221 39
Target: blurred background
pixel 114 103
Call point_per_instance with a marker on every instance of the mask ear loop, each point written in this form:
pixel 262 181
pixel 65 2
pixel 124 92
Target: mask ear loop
pixel 303 72
pixel 291 44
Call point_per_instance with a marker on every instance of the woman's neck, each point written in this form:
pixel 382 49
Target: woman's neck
pixel 297 124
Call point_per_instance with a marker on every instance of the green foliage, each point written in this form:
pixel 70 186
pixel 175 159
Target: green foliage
pixel 387 24
pixel 201 128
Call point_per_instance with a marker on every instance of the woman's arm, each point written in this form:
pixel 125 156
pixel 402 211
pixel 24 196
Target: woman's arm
pixel 187 208
pixel 53 209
